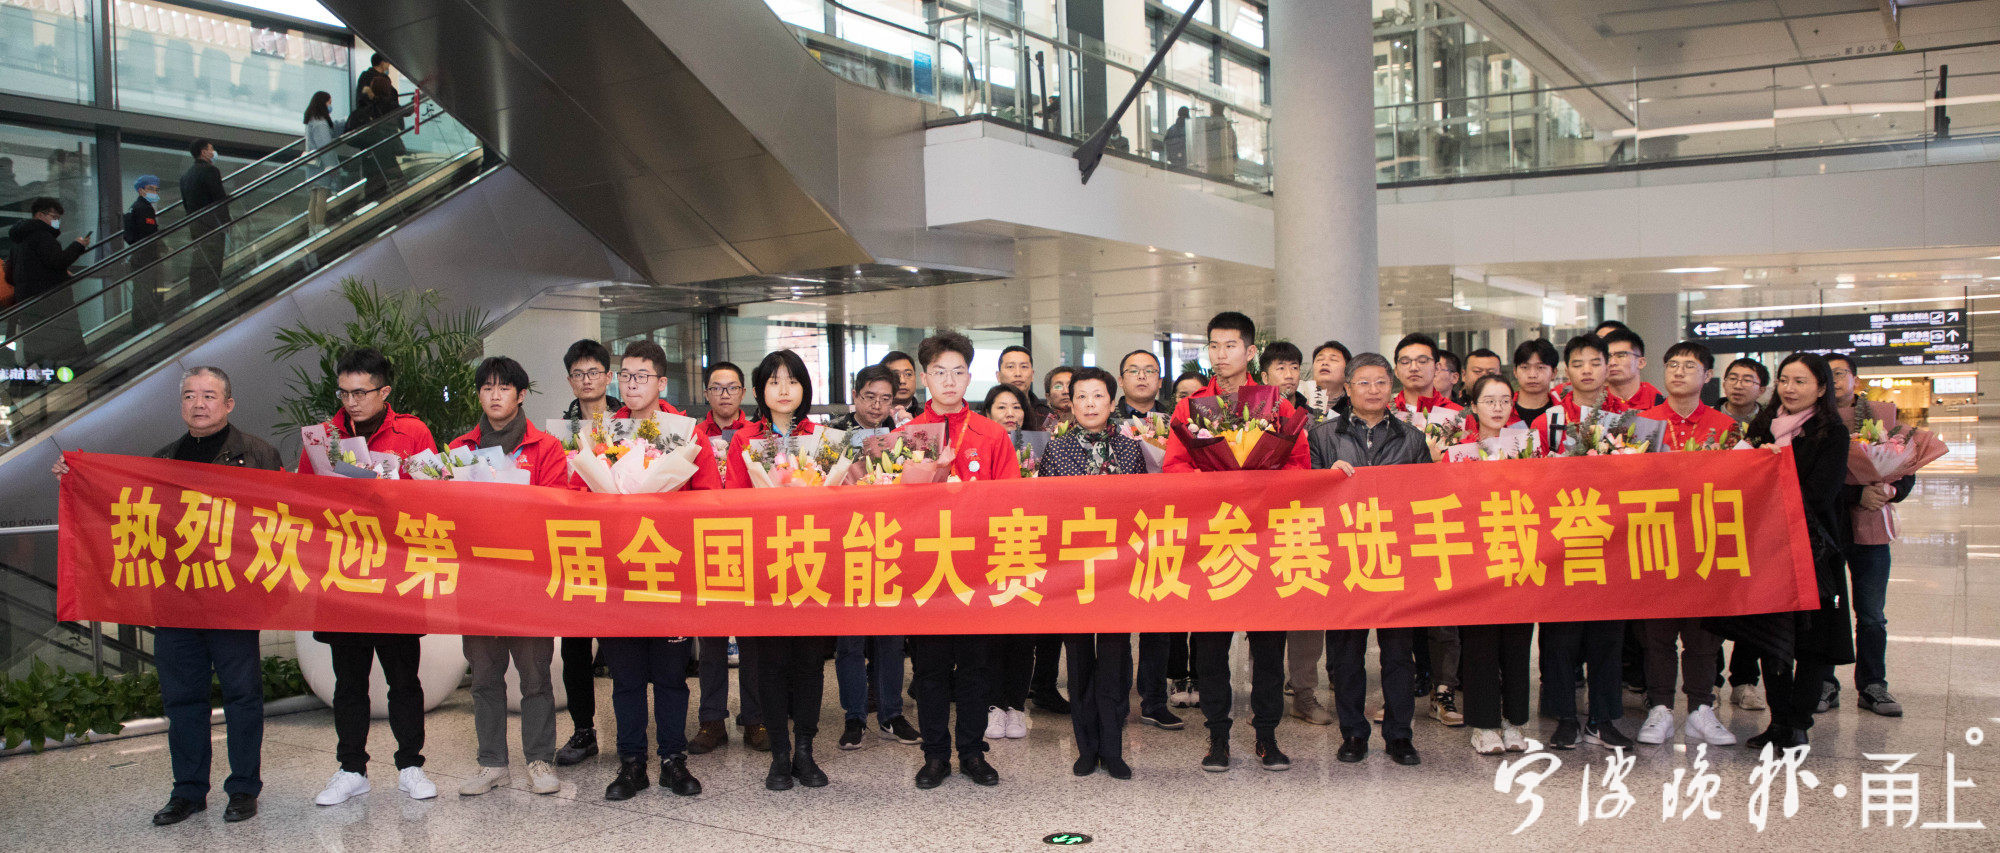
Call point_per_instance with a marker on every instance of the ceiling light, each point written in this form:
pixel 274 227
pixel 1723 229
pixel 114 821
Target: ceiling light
pixel 1187 254
pixel 1692 269
pixel 1728 286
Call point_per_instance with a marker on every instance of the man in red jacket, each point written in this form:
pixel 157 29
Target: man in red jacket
pixel 365 379
pixel 957 668
pixel 1231 349
pixel 1417 357
pixel 1627 358
pixel 723 384
pixel 503 384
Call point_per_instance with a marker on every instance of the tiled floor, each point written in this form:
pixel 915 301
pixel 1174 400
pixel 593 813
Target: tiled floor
pixel 1944 664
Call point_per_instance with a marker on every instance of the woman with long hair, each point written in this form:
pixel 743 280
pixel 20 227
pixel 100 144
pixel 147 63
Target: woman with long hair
pixel 319 133
pixel 1493 660
pixel 1013 654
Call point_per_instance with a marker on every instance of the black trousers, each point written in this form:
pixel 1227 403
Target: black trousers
pixel 635 664
pixel 1013 670
pixel 948 670
pixel 1267 680
pixel 1791 688
pixel 791 682
pixel 1346 658
pixel 1048 657
pixel 1743 665
pixel 579 664
pixel 1600 647
pixel 1154 650
pixel 1493 673
pixel 1100 688
pixel 1180 655
pixel 188 658
pixel 353 659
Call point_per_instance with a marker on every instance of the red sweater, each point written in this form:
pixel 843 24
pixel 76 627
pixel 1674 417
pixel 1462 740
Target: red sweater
pixel 739 471
pixel 1704 425
pixel 982 450
pixel 1177 460
pixel 1421 405
pixel 1645 398
pixel 400 434
pixel 540 453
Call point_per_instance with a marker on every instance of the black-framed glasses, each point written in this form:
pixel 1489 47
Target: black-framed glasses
pixel 628 376
pixel 588 375
pixel 725 389
pixel 345 396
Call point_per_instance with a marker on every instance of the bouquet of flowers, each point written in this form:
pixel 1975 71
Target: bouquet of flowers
pixel 1442 433
pixel 330 453
pixel 485 465
pixel 1240 432
pixel 915 453
pixel 1601 434
pixel 636 457
pixel 1511 443
pixel 427 465
pixel 1729 439
pixel 820 459
pixel 1885 453
pixel 1030 444
pixel 1152 432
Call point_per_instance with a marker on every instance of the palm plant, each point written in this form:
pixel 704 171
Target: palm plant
pixel 433 352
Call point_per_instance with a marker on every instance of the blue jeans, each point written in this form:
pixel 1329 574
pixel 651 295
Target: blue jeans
pixel 850 669
pixel 186 658
pixel 1868 571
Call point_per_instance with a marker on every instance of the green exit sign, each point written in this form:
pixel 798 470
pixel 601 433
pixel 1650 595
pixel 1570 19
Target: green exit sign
pixel 1066 838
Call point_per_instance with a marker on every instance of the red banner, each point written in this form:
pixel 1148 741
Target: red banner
pixel 157 542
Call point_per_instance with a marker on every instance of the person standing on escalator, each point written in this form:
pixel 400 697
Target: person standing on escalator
pixel 141 222
pixel 207 204
pixel 37 267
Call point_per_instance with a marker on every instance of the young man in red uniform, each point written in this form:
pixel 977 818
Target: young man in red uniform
pixel 723 384
pixel 1418 365
pixel 503 384
pixel 1687 420
pixel 1231 349
pixel 1416 371
pixel 956 669
pixel 1586 360
pixel 366 379
pixel 1628 357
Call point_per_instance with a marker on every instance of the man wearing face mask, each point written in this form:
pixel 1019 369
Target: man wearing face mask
pixel 38 265
pixel 204 198
pixel 141 222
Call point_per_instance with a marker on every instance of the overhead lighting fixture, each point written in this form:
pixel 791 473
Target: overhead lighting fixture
pixel 1187 254
pixel 1693 269
pixel 1729 286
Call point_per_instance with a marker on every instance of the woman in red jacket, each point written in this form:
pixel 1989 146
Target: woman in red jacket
pixel 791 676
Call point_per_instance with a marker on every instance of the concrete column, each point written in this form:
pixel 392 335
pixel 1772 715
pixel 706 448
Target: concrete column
pixel 1657 319
pixel 1323 148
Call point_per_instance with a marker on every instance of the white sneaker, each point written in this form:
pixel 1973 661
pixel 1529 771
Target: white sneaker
pixel 1748 697
pixel 1704 726
pixel 1512 736
pixel 996 723
pixel 412 781
pixel 542 778
pixel 1017 724
pixel 1659 725
pixel 487 779
pixel 1488 742
pixel 1182 693
pixel 343 785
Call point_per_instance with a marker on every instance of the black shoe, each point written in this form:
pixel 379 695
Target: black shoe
pixel 1606 735
pixel 1217 759
pixel 1162 718
pixel 1352 749
pixel 631 780
pixel 1402 751
pixel 900 730
pixel 176 810
pixel 1272 757
pixel 850 737
pixel 674 776
pixel 1421 686
pixel 1053 703
pixel 933 773
pixel 1084 766
pixel 1567 734
pixel 779 777
pixel 804 768
pixel 581 745
pixel 1779 737
pixel 1116 767
pixel 1829 698
pixel 241 807
pixel 974 767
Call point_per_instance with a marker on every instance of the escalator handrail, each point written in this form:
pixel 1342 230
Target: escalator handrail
pixel 187 221
pixel 114 282
pixel 964 59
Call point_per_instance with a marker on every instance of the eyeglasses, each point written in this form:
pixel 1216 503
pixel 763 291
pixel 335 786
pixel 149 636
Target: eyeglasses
pixel 1740 380
pixel 588 375
pixel 725 390
pixel 1624 355
pixel 346 396
pixel 1374 385
pixel 626 376
pixel 1142 372
pixel 1415 361
pixel 874 398
pixel 1683 367
pixel 943 375
pixel 1495 401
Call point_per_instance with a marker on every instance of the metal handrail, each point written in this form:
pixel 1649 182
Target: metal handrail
pixel 188 220
pixel 964 59
pixel 23 333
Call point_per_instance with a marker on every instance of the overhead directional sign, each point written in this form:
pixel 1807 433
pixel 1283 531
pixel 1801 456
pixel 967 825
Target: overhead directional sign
pixel 1887 339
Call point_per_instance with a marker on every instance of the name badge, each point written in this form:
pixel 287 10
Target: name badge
pixel 974 467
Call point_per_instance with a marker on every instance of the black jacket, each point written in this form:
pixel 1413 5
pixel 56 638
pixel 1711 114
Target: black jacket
pixel 848 423
pixel 575 410
pixel 1347 439
pixel 39 261
pixel 239 450
pixel 1125 411
pixel 201 186
pixel 141 221
pixel 1067 457
pixel 1825 635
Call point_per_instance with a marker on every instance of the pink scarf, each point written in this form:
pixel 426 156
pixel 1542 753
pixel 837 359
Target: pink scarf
pixel 1786 427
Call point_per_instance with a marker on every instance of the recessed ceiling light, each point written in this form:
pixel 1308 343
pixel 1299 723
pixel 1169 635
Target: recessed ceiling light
pixel 1693 269
pixel 1728 286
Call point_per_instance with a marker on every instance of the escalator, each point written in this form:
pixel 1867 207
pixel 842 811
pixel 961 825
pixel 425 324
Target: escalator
pixel 124 316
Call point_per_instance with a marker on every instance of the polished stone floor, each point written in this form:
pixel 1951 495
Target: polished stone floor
pixel 1944 664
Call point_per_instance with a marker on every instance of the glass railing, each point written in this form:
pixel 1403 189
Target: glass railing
pixel 29 631
pixel 64 349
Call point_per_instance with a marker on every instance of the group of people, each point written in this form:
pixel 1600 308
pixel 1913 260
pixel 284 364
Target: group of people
pixel 1362 407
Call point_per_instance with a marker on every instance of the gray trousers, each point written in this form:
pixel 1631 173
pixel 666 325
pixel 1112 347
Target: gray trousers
pixel 531 656
pixel 1302 653
pixel 1445 650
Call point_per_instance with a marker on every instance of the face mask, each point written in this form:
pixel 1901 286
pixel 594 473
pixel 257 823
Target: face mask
pixel 152 198
pixel 56 224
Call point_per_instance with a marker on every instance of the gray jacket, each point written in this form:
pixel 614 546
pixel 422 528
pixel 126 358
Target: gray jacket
pixel 1346 439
